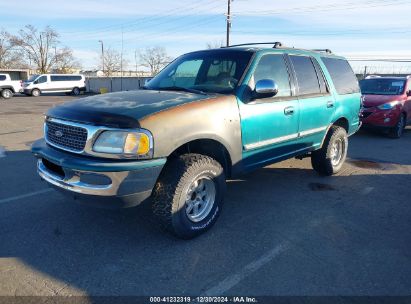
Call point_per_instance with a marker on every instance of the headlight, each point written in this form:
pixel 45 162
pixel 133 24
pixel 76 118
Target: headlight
pixel 129 144
pixel 388 105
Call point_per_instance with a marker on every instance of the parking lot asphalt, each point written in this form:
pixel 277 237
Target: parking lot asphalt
pixel 284 230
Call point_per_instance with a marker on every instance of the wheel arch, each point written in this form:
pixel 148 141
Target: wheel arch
pixel 340 122
pixel 209 147
pixel 7 88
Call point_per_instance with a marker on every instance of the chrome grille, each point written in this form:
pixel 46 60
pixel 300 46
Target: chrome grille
pixel 66 136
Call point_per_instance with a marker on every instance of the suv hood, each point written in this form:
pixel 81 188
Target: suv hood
pixel 376 100
pixel 121 109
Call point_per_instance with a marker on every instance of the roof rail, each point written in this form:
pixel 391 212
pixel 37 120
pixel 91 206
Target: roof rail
pixel 275 44
pixel 328 51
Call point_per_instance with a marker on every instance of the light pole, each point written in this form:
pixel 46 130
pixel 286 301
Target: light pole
pixel 102 53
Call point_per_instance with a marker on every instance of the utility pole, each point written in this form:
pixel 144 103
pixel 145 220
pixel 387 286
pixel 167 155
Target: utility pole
pixel 228 21
pixel 102 54
pixel 121 63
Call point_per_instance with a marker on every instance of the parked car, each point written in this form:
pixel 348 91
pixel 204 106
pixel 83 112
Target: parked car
pixel 55 83
pixel 208 116
pixel 9 87
pixel 387 103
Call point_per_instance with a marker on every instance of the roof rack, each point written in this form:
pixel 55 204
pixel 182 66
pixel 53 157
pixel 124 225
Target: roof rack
pixel 275 44
pixel 328 51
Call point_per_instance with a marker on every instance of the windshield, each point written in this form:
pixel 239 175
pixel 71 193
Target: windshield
pixel 208 71
pixel 32 78
pixel 382 86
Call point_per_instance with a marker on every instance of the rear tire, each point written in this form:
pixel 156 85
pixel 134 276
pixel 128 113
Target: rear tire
pixel 329 159
pixel 188 196
pixel 35 93
pixel 6 93
pixel 75 91
pixel 398 130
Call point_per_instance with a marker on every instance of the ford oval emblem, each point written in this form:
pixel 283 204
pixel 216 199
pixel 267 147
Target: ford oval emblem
pixel 58 133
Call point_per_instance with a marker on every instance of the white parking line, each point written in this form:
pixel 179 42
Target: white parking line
pixel 17 197
pixel 237 277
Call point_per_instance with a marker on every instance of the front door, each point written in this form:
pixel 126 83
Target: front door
pixel 269 125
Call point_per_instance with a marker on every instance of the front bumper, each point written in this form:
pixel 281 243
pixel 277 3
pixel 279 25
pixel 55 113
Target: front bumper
pixel 373 117
pixel 99 182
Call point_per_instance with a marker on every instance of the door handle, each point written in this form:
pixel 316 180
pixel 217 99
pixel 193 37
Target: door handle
pixel 289 111
pixel 330 104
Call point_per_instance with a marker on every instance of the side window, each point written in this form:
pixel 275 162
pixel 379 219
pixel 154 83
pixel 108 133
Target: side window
pixel 273 67
pixel 2 77
pixel 306 74
pixel 42 79
pixel 341 73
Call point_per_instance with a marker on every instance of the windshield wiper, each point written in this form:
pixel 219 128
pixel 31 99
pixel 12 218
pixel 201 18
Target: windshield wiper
pixel 175 88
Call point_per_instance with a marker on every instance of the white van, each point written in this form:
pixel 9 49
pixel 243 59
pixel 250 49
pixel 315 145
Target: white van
pixel 54 83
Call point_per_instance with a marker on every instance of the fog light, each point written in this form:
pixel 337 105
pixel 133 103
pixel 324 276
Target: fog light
pixel 387 120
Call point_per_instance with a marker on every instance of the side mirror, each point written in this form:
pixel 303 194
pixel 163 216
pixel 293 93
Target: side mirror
pixel 266 88
pixel 409 93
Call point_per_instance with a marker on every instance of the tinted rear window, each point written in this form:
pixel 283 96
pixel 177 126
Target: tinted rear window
pixel 2 77
pixel 306 75
pixel 65 78
pixel 342 75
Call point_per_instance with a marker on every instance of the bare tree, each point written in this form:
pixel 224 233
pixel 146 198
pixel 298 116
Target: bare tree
pixel 10 56
pixel 38 46
pixel 154 58
pixel 65 61
pixel 215 44
pixel 112 61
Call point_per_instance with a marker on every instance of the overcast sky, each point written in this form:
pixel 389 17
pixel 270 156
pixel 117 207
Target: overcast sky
pixel 357 29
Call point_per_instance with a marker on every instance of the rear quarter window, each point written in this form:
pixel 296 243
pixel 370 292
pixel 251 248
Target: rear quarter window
pixel 342 75
pixel 2 77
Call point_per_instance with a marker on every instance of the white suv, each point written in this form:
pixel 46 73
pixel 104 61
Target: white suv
pixel 9 87
pixel 54 83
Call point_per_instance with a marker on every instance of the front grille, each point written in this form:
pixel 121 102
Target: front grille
pixel 66 136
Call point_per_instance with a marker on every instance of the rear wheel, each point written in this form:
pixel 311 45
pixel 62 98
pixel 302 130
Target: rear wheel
pixel 7 93
pixel 188 197
pixel 75 91
pixel 398 130
pixel 35 92
pixel 330 158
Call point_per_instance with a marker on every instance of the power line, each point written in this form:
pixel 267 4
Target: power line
pixel 145 20
pixel 321 8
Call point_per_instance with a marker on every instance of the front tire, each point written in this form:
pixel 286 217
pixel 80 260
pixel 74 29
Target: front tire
pixel 75 91
pixel 35 93
pixel 398 130
pixel 329 159
pixel 7 93
pixel 188 197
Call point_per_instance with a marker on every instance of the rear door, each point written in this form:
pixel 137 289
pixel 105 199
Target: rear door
pixel 269 125
pixel 316 101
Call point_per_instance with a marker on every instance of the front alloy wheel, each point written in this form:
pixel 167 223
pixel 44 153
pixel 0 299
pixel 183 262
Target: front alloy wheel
pixel 200 199
pixel 188 196
pixel 398 130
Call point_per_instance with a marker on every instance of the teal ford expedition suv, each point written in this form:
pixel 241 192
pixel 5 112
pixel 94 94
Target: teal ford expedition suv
pixel 208 116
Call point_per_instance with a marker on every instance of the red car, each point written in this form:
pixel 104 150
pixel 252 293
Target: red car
pixel 386 103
